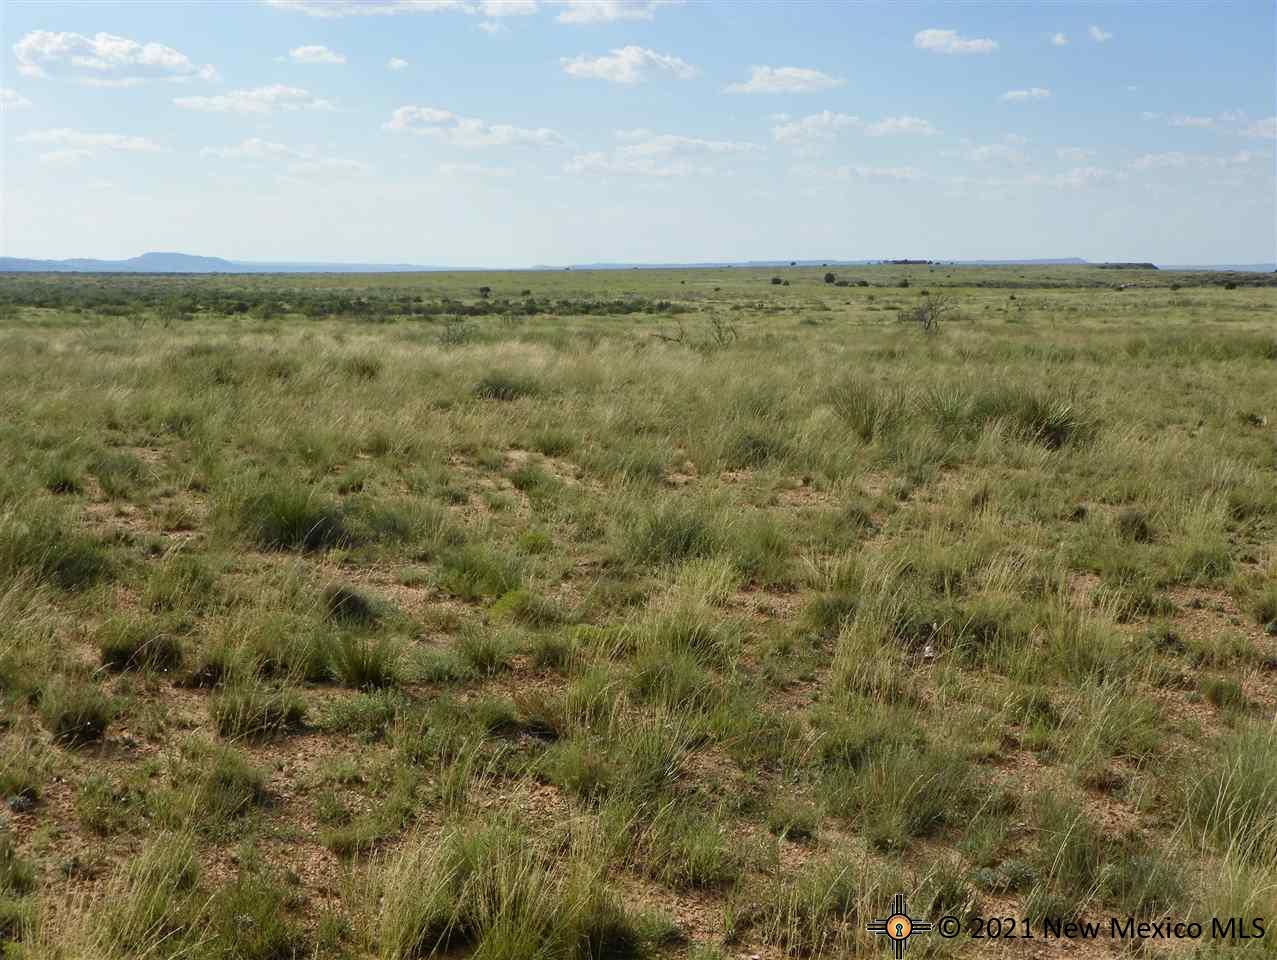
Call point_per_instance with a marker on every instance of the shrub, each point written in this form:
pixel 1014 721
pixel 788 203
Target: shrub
pixel 505 385
pixel 671 531
pixel 228 786
pixel 181 582
pixel 288 518
pixel 366 664
pixel 138 645
pixel 1234 801
pixel 250 710
pixel 43 545
pixel 75 712
pixel 475 571
pixel 348 605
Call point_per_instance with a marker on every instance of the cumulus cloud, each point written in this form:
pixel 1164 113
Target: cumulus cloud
pixel 396 63
pixel 1059 40
pixel 259 100
pixel 507 8
pixel 103 59
pixel 569 11
pixel 315 54
pixel 1181 120
pixel 607 11
pixel 949 41
pixel 627 65
pixel 10 99
pixel 785 80
pixel 663 155
pixel 365 8
pixel 1020 96
pixel 817 126
pixel 447 127
pixel 896 125
pixel 1099 35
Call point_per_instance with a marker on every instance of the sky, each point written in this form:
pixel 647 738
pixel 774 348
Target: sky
pixel 508 133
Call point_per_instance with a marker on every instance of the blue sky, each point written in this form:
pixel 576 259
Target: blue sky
pixel 507 133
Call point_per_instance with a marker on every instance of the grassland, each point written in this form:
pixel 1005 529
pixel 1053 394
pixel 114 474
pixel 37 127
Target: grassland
pixel 624 614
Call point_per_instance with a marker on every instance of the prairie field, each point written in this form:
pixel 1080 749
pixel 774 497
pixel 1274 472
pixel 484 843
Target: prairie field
pixel 667 613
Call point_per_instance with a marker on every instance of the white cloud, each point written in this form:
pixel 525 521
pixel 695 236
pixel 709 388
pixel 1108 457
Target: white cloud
pixel 1263 129
pixel 1019 96
pixel 507 8
pixel 290 162
pixel 260 100
pixel 365 8
pixel 103 59
pixel 997 153
pixel 627 65
pixel 1083 177
pixel 663 155
pixel 446 126
pixel 65 158
pixel 895 125
pixel 10 99
pixel 327 167
pixel 1184 121
pixel 315 54
pixel 1059 40
pixel 493 26
pixel 785 80
pixel 76 139
pixel 253 148
pixel 949 41
pixel 1243 158
pixel 489 9
pixel 1159 161
pixel 396 63
pixel 1098 35
pixel 608 11
pixel 1074 154
pixel 473 170
pixel 817 126
pixel 859 172
pixel 1150 115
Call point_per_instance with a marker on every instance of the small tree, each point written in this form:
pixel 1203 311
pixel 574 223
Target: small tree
pixel 830 278
pixel 484 291
pixel 930 312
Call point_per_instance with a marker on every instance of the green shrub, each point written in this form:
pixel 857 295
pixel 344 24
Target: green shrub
pixel 75 712
pixel 505 385
pixel 290 518
pixel 149 644
pixel 250 710
pixel 44 545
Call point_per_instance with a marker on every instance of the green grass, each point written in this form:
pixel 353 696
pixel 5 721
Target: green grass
pixel 359 615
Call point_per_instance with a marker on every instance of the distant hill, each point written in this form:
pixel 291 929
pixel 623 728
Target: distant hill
pixel 187 263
